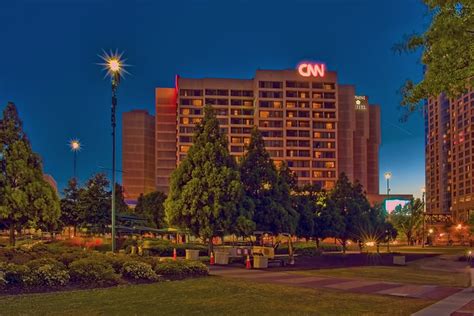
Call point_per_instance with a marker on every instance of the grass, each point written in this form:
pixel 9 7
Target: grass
pixel 213 296
pixel 455 250
pixel 406 274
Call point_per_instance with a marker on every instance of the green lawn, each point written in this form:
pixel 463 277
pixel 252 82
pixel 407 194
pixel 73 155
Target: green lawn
pixel 406 274
pixel 456 250
pixel 208 296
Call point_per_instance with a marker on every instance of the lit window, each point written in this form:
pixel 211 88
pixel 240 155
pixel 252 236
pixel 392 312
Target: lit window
pixel 197 102
pixel 185 111
pixel 184 149
pixel 264 114
pixel 185 120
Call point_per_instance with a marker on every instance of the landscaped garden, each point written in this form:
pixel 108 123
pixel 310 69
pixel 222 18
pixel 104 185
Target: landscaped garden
pixel 55 266
pixel 211 295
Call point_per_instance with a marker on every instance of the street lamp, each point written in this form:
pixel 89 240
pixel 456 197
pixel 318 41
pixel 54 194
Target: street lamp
pixel 423 192
pixel 75 146
pixel 388 175
pixel 114 65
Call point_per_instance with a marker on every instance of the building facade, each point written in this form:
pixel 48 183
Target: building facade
pixel 307 119
pixel 138 154
pixel 449 152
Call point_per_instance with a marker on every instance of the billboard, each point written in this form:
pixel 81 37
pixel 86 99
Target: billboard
pixel 391 204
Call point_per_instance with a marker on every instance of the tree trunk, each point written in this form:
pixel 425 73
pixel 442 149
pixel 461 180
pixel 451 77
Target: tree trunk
pixel 317 242
pixel 12 235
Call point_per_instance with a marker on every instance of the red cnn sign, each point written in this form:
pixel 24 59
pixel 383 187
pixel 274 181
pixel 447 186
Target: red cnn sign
pixel 306 69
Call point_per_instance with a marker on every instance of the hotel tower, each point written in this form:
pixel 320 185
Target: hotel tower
pixel 319 127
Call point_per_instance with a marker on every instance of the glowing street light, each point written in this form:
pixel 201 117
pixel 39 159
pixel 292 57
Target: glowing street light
pixel 114 66
pixel 75 146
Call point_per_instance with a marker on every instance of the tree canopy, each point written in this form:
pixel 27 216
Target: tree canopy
pixel 447 52
pixel 268 188
pixel 206 192
pixel 26 199
pixel 151 207
pixel 408 219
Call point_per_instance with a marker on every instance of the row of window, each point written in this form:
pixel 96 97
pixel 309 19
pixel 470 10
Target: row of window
pixel 217 92
pixel 296 94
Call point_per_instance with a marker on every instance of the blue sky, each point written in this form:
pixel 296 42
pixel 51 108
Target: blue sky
pixel 49 55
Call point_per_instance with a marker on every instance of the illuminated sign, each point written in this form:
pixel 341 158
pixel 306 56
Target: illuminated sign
pixel 360 102
pixel 392 204
pixel 306 69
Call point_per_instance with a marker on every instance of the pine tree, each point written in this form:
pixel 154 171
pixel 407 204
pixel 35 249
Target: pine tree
pixel 70 208
pixel 268 189
pixel 205 190
pixel 151 207
pixel 95 204
pixel 26 199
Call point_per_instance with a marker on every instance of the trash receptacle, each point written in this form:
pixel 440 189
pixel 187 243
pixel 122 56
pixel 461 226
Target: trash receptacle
pixel 192 254
pixel 222 257
pixel 260 262
pixel 399 260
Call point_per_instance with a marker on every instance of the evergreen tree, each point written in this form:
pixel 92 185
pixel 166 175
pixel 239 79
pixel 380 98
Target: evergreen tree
pixel 349 204
pixel 95 204
pixel 447 53
pixel 269 189
pixel 70 207
pixel 205 190
pixel 151 207
pixel 26 199
pixel 120 204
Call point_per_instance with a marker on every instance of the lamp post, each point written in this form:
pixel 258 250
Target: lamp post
pixel 75 146
pixel 114 66
pixel 423 192
pixel 387 176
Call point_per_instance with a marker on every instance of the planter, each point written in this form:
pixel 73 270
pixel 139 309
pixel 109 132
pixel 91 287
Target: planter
pixel 260 262
pixel 192 254
pixel 399 260
pixel 222 257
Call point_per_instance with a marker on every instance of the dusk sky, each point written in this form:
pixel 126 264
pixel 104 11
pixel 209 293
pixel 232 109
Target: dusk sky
pixel 48 64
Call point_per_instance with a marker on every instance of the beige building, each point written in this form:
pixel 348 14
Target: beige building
pixel 318 127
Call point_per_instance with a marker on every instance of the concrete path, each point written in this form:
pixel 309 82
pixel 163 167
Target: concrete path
pixel 352 285
pixel 458 304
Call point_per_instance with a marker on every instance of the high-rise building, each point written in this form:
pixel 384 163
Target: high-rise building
pixel 138 154
pixel 449 149
pixel 318 127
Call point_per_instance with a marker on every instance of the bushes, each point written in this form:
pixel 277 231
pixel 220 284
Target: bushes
pixel 165 248
pixel 181 269
pixel 48 275
pixel 15 274
pixel 91 270
pixel 139 271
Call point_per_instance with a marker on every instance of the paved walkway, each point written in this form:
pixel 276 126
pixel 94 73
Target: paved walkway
pixel 458 304
pixel 431 292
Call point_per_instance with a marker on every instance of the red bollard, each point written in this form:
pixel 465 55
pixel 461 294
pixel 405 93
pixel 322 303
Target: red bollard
pixel 211 260
pixel 247 263
pixel 174 254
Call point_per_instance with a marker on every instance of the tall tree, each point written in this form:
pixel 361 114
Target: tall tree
pixel 95 204
pixel 351 205
pixel 26 199
pixel 70 207
pixel 408 219
pixel 268 188
pixel 151 207
pixel 447 52
pixel 205 190
pixel 122 207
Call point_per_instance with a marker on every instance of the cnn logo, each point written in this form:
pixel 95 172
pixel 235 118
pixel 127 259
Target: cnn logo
pixel 311 70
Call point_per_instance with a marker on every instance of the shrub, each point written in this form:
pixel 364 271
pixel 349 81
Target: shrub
pixel 34 264
pixel 139 271
pixel 181 268
pixel 330 247
pixel 3 281
pixel 89 270
pixel 115 260
pixel 48 275
pixel 69 257
pixel 15 274
pixel 164 248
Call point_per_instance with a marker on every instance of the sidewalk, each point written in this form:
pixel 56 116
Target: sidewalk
pixel 458 304
pixel 365 286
